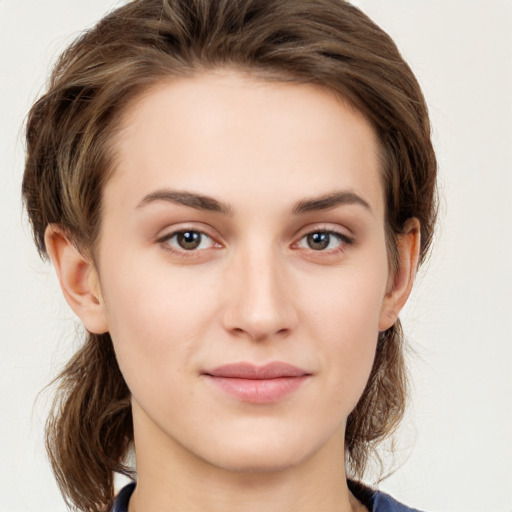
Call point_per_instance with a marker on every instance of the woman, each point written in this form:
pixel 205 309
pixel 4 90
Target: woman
pixel 235 197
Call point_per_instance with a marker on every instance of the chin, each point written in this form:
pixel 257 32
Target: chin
pixel 261 453
pixel 258 461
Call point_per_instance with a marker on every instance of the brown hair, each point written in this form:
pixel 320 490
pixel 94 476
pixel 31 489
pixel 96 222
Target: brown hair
pixel 69 156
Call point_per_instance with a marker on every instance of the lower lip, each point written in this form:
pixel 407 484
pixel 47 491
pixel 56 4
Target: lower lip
pixel 258 391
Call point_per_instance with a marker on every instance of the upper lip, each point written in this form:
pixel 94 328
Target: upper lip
pixel 272 370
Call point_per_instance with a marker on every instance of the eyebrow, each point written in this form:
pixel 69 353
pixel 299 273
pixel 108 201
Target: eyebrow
pixel 329 201
pixel 191 199
pixel 202 202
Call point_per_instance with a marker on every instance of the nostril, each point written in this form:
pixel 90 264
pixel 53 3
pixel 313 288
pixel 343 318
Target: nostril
pixel 260 313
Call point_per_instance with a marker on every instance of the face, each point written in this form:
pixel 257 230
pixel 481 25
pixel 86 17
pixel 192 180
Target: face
pixel 242 268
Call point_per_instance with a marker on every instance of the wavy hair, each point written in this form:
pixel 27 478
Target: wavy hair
pixel 70 134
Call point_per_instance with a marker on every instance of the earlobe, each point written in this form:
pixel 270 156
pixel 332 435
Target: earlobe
pixel 78 280
pixel 408 247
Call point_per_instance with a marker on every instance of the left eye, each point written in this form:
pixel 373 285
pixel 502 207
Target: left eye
pixel 322 240
pixel 189 240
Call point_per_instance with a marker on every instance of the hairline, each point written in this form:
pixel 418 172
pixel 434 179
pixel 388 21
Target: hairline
pixel 264 74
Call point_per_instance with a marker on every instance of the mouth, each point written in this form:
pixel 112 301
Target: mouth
pixel 266 384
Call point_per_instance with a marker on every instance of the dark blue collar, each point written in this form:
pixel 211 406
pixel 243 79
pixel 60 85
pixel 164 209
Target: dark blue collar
pixel 374 501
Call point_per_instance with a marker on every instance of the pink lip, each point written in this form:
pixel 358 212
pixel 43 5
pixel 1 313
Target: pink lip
pixel 258 384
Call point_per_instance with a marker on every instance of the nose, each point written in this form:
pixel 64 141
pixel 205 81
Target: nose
pixel 259 298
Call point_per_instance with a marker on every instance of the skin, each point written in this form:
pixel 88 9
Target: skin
pixel 255 289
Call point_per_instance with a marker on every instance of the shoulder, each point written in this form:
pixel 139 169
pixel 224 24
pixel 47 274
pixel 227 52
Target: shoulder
pixel 385 503
pixel 377 501
pixel 121 502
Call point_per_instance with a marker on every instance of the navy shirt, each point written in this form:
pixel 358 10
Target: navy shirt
pixel 374 501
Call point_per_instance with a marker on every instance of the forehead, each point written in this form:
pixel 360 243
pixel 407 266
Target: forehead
pixel 232 134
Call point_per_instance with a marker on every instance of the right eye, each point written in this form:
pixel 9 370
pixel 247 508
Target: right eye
pixel 187 240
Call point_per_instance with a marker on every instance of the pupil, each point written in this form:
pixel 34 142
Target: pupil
pixel 189 240
pixel 318 241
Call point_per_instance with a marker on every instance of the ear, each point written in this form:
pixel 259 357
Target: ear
pixel 401 280
pixel 78 280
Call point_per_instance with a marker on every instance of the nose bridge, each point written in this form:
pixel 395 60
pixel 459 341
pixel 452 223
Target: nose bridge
pixel 259 302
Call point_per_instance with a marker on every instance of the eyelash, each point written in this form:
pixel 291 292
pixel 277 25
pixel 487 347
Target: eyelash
pixel 343 239
pixel 164 241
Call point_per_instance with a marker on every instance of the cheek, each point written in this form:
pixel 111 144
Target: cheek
pixel 351 342
pixel 343 317
pixel 154 322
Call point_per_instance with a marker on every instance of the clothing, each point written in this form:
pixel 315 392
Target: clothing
pixel 374 501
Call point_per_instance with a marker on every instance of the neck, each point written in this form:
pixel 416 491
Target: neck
pixel 172 478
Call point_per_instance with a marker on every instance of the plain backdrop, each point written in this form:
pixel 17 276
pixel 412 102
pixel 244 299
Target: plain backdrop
pixel 455 446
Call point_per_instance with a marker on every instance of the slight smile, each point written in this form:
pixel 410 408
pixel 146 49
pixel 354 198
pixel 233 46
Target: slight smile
pixel 258 384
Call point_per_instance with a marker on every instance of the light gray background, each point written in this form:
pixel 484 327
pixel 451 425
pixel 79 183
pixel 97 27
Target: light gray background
pixel 455 446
